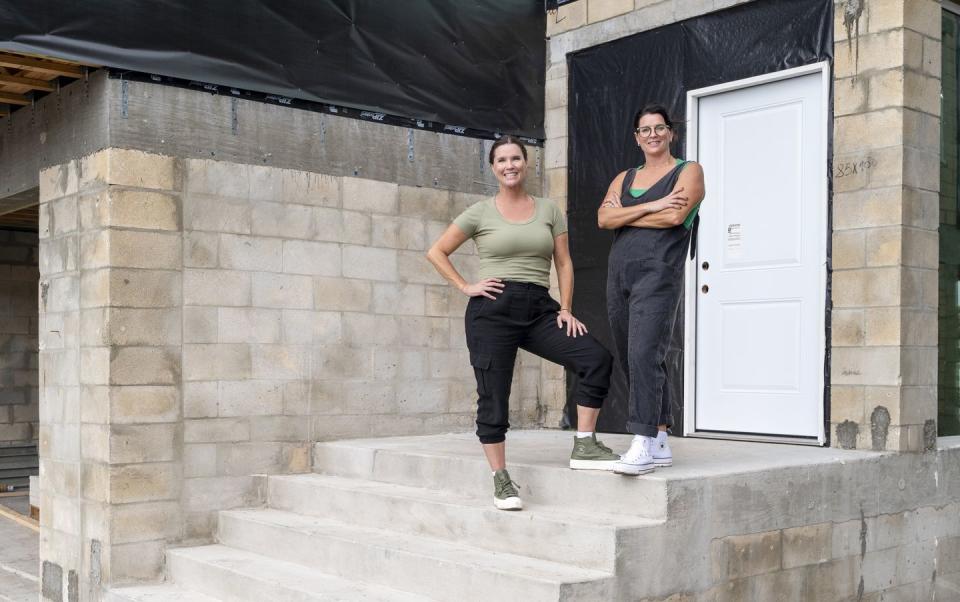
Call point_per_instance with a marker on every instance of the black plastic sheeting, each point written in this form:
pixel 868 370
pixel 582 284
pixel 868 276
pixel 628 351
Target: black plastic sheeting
pixel 474 64
pixel 609 83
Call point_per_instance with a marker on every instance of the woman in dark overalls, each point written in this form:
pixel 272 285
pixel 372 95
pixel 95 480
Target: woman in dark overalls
pixel 652 210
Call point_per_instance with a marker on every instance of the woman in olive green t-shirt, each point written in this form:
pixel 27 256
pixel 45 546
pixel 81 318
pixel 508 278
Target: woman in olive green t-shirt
pixel 510 308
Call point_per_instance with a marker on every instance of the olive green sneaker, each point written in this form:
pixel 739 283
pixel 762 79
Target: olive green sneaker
pixel 505 495
pixel 590 454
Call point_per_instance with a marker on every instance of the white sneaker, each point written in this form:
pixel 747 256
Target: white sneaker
pixel 637 460
pixel 660 451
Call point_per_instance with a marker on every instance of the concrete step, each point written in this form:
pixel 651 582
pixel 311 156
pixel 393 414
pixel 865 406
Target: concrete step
pixel 166 592
pixel 550 533
pixel 538 462
pixel 233 574
pixel 442 570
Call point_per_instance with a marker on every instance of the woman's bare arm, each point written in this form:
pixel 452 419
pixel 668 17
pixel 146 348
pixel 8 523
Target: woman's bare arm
pixel 690 186
pixel 439 256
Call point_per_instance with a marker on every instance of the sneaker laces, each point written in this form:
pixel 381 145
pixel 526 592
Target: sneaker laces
pixel 637 452
pixel 603 447
pixel 507 488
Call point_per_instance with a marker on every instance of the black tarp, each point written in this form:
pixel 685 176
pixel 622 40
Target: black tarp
pixel 473 63
pixel 609 83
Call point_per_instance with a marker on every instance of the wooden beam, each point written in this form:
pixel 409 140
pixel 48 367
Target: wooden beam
pixel 36 84
pixel 14 99
pixel 22 62
pixel 4 111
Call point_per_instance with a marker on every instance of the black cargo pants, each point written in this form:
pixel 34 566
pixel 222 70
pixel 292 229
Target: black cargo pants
pixel 524 316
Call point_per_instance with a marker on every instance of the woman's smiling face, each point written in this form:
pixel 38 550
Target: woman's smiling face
pixel 509 166
pixel 653 134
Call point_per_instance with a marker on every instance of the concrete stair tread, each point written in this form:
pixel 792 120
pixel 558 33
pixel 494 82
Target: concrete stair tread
pixel 436 550
pixel 252 573
pixel 167 592
pixel 483 503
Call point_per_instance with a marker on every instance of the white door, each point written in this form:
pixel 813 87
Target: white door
pixel 761 261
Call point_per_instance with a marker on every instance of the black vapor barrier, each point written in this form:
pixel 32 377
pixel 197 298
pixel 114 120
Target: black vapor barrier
pixel 609 83
pixel 471 64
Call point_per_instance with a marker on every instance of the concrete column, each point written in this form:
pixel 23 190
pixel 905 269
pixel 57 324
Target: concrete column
pixel 885 253
pixel 110 370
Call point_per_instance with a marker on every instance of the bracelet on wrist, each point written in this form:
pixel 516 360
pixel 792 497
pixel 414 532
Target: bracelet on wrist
pixel 564 309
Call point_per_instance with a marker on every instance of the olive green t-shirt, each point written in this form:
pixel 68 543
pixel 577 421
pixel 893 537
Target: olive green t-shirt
pixel 519 251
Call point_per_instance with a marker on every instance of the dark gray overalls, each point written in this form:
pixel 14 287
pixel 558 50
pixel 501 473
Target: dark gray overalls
pixel 644 282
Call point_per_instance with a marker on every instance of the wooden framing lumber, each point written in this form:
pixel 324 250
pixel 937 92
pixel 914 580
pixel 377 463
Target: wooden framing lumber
pixel 35 84
pixel 39 65
pixel 14 99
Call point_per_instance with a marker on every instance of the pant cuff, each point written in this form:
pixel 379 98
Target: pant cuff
pixel 590 402
pixel 492 438
pixel 647 430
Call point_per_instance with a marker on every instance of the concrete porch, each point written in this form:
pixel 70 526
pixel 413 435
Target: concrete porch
pixel 410 518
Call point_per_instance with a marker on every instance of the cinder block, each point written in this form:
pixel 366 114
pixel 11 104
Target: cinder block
pixel 866 208
pixel 399 299
pixel 219 178
pixel 200 249
pixel 130 326
pixel 921 130
pixel 361 194
pixel 248 325
pixel 266 183
pixel 216 362
pixel 144 482
pixel 847 403
pixel 740 556
pixel 848 327
pixel 882 16
pixel 93 170
pixel 141 404
pixel 58 181
pixel 364 330
pixel 882 326
pixel 883 246
pixel 810 544
pixel 921 248
pixel 216 287
pixel 918 365
pixel 425 203
pixel 296 398
pixel 932 57
pixel 849 249
pixel 199 460
pixel 555 153
pixel 369 263
pixel 865 365
pixel 144 366
pixel 878 51
pixel 314 258
pixel 216 214
pixel 339 362
pixel 279 428
pixel 309 188
pixel 148 210
pixel 142 170
pixel 200 325
pixel 599 10
pixel 413 267
pixel 282 291
pixel 922 92
pixel 144 522
pixel 427 332
pixel 923 17
pixel 281 362
pixel 135 443
pixel 131 288
pixel 251 253
pixel 200 399
pixel 870 287
pixel 422 396
pixel 250 398
pixel 140 249
pixel 863 131
pixel 450 364
pixel 216 430
pixel 555 122
pixel 218 493
pixel 398 233
pixel 282 220
pixel 885 88
pixel 567 17
pixel 390 363
pixel 368 397
pixel 240 459
pixel 342 294
pixel 308 327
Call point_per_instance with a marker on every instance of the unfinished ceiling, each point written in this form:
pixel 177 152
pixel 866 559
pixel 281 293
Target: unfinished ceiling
pixel 23 78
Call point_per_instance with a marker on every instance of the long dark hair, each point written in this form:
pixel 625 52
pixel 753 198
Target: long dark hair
pixel 504 140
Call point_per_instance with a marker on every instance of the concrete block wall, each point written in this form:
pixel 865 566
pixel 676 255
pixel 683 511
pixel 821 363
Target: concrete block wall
pixel 203 321
pixel 885 246
pixel 19 391
pixel 886 180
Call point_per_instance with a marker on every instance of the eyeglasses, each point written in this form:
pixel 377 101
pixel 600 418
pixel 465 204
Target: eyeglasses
pixel 647 131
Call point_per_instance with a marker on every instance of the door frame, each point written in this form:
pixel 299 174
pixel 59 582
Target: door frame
pixel 691 272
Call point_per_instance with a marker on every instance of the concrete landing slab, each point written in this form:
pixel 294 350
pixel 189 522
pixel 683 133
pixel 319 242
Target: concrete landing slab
pixel 19 562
